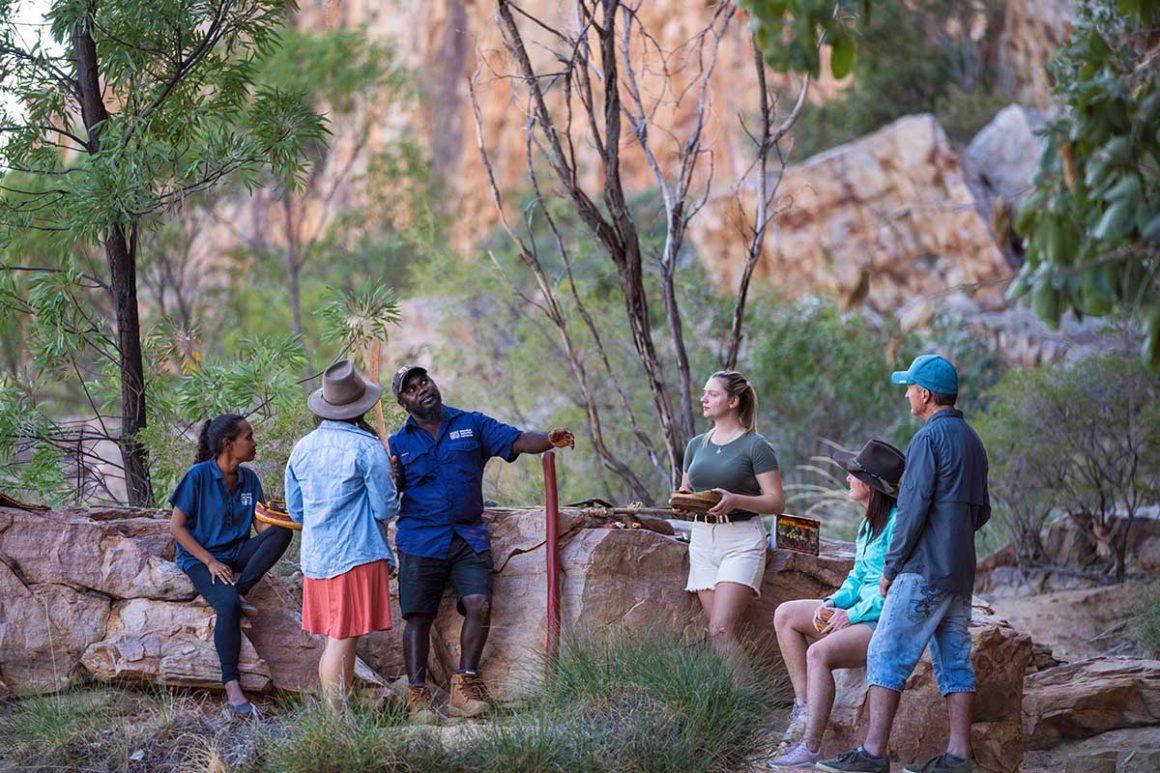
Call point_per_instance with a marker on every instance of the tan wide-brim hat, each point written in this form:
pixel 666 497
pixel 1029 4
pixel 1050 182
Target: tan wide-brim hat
pixel 344 394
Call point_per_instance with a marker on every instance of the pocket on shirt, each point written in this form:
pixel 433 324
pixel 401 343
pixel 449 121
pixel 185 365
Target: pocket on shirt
pixel 418 470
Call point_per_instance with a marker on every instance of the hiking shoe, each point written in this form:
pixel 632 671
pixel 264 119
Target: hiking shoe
pixel 796 726
pixel 468 696
pixel 797 756
pixel 944 763
pixel 245 710
pixel 419 706
pixel 857 761
pixel 248 609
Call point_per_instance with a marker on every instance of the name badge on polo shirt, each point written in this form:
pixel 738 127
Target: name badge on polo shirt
pixel 456 434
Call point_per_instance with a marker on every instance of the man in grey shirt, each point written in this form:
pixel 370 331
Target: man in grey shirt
pixel 929 572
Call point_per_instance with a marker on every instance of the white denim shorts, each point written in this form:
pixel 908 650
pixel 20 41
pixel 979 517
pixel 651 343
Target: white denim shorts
pixel 727 552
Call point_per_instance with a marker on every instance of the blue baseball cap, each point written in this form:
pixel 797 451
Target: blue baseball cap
pixel 932 372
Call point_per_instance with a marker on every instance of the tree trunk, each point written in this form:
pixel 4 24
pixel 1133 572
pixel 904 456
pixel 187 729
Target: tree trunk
pixel 294 263
pixel 676 327
pixel 120 254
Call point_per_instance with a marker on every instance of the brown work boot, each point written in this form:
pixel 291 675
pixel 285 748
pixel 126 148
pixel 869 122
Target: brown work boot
pixel 468 696
pixel 419 705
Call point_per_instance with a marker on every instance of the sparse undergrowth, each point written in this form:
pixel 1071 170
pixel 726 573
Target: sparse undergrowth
pixel 641 703
pixel 1148 622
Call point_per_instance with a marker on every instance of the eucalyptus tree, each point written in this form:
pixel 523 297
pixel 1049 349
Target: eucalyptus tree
pixel 125 110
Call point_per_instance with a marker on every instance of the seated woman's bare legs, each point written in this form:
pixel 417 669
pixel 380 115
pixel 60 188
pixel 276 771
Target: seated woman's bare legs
pixel 793 621
pixel 841 649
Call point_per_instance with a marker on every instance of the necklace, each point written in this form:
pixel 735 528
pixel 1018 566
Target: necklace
pixel 718 448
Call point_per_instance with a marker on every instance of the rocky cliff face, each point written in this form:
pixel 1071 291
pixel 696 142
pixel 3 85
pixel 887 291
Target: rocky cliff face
pixel 882 220
pixel 900 221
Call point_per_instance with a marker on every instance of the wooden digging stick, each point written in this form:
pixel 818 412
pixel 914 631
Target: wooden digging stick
pixel 375 357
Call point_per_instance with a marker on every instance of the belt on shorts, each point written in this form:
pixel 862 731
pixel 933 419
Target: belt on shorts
pixel 725 518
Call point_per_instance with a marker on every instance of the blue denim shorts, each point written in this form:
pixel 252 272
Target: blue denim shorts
pixel 914 614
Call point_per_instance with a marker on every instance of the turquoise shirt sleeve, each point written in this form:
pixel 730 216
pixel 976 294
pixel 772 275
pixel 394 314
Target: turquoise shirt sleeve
pixel 868 607
pixel 847 594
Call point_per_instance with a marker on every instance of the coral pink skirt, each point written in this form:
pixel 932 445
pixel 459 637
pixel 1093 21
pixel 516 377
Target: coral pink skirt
pixel 354 603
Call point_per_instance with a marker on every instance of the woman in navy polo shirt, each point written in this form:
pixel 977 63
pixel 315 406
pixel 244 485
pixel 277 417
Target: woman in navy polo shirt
pixel 213 512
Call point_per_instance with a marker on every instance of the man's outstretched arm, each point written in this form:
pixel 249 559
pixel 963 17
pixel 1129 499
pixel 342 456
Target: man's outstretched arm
pixel 539 442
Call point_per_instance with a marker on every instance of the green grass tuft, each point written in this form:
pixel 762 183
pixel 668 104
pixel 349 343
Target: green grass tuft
pixel 54 730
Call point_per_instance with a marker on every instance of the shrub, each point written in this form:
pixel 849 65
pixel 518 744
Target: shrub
pixel 1083 439
pixel 1148 623
pixel 660 702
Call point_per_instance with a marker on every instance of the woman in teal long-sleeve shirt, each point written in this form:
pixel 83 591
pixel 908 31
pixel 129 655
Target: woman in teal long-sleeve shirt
pixel 816 637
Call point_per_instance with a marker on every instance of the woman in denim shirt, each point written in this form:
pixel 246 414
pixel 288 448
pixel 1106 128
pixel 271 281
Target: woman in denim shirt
pixel 338 486
pixel 817 637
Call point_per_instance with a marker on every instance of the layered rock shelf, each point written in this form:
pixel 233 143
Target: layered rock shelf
pixel 94 595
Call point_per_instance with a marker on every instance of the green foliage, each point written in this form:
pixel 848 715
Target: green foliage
pixel 187 112
pixel 133 108
pixel 340 67
pixel 963 114
pixel 790 32
pixel 1091 227
pixel 1148 623
pixel 1082 439
pixel 649 701
pixel 355 319
pixel 909 64
pixel 259 382
pixel 823 375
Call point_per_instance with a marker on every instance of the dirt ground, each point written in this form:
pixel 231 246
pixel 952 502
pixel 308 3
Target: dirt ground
pixel 1079 624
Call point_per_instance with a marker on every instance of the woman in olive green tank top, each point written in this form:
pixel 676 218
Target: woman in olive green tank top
pixel 728 544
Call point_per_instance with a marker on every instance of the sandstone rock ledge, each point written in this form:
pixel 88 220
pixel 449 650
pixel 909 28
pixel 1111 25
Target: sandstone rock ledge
pixel 94 595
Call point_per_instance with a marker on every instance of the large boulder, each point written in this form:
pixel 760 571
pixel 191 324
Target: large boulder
pixel 95 594
pixel 1002 157
pixel 623 579
pixel 879 220
pixel 170 643
pixel 59 627
pixel 44 629
pixel 119 552
pixel 1032 32
pixel 1000 656
pixel 1089 697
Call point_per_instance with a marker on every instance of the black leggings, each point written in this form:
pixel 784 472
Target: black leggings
pixel 255 558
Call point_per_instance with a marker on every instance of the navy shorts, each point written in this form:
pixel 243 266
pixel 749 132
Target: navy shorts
pixel 422 580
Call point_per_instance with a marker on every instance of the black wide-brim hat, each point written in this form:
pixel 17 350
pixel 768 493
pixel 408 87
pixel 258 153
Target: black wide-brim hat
pixel 878 465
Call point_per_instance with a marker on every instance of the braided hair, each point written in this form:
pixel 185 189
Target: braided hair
pixel 215 432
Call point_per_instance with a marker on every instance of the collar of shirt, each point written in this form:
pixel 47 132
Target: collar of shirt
pixel 344 426
pixel 411 426
pixel 946 413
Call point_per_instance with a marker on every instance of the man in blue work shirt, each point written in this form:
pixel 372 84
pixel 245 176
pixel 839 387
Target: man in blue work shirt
pixel 929 572
pixel 438 459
